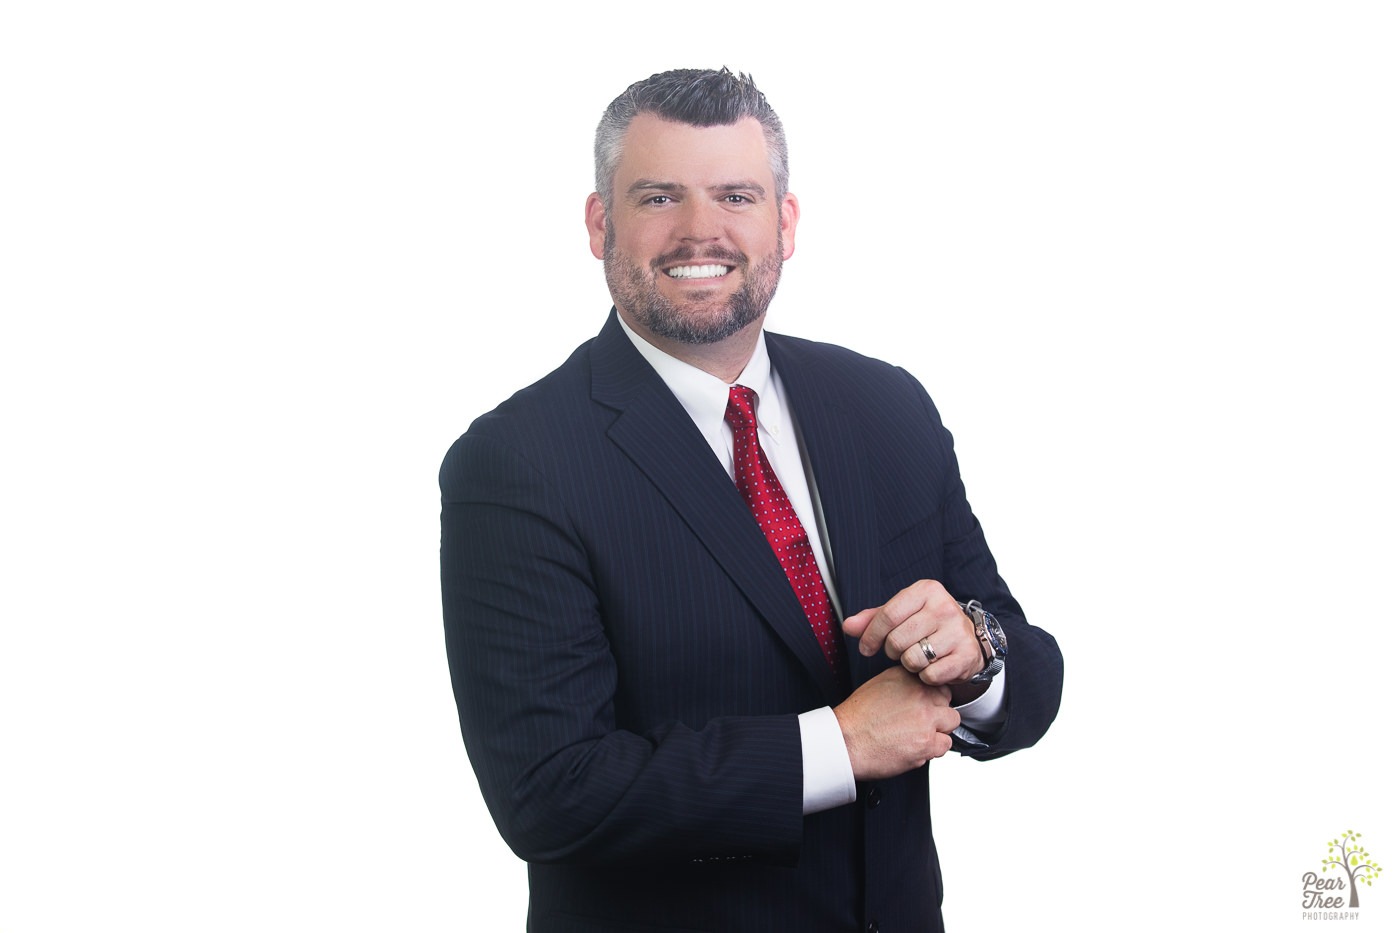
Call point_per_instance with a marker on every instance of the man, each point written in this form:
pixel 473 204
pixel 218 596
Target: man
pixel 646 557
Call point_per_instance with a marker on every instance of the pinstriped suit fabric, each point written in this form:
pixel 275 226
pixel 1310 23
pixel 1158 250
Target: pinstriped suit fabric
pixel 629 658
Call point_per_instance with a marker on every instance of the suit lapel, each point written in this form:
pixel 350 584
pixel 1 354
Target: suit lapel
pixel 657 435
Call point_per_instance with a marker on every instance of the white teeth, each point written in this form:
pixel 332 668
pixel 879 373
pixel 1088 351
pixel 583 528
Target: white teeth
pixel 697 272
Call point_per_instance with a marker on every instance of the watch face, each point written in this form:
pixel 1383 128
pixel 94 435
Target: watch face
pixel 995 635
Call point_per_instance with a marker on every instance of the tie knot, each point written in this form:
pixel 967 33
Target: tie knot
pixel 740 413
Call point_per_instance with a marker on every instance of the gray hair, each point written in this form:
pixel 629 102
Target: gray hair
pixel 694 96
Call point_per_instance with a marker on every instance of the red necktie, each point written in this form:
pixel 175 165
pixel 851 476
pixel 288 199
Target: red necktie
pixel 770 506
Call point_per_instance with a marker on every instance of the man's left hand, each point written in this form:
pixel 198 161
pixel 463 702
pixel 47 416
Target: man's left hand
pixel 921 614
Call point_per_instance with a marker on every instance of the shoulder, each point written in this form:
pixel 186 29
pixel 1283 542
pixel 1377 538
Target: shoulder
pixel 534 407
pixel 533 424
pixel 797 351
pixel 849 379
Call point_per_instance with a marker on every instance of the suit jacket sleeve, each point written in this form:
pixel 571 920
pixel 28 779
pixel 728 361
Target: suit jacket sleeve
pixel 1035 668
pixel 536 681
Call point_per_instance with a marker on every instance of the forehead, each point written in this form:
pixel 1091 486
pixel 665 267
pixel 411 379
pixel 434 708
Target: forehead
pixel 662 150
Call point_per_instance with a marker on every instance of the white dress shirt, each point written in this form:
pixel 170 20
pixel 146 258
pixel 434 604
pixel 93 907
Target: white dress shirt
pixel 827 778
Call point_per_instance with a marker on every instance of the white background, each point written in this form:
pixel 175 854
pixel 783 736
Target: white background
pixel 262 262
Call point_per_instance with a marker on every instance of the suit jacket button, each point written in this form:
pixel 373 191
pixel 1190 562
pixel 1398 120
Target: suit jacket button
pixel 872 798
pixel 872 927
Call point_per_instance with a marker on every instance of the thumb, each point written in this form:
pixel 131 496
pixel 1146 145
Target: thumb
pixel 856 625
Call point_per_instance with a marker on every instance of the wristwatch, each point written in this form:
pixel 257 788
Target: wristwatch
pixel 990 638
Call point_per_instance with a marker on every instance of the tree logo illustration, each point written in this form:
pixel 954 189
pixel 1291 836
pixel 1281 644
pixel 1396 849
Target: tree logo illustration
pixel 1348 854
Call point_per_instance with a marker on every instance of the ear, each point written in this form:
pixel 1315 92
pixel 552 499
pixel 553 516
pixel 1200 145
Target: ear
pixel 595 216
pixel 787 224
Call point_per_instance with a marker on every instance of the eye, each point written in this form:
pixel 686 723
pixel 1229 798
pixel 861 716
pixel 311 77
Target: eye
pixel 737 199
pixel 659 199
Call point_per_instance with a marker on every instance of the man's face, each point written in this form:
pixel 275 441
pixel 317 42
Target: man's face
pixel 695 239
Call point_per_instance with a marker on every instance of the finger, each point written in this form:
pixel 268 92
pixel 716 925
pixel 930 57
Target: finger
pixel 855 625
pixel 918 613
pixel 953 668
pixel 918 626
pixel 919 655
pixel 940 745
pixel 873 639
pixel 954 642
pixel 936 676
pixel 941 742
pixel 901 608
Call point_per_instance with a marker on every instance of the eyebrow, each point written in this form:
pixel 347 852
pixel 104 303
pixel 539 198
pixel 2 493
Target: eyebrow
pixel 670 187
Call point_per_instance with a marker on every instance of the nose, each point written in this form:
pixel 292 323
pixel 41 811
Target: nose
pixel 700 221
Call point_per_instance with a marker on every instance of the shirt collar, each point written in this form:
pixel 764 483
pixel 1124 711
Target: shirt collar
pixel 705 397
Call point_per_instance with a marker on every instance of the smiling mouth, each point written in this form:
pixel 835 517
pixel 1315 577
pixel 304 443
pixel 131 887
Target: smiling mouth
pixel 709 271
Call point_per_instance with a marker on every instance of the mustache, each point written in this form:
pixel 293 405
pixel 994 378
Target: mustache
pixel 691 254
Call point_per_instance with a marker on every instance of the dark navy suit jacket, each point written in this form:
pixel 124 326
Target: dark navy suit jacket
pixel 629 659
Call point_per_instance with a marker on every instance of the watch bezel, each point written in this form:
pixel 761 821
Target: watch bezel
pixel 991 640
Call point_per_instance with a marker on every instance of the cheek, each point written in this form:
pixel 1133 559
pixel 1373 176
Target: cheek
pixel 640 243
pixel 765 235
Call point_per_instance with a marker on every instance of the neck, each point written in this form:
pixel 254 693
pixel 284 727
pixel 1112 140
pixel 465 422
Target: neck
pixel 724 359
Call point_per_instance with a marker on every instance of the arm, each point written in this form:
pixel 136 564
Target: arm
pixel 1034 671
pixel 535 681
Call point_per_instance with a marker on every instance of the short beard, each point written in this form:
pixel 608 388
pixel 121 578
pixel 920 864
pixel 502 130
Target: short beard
pixel 634 290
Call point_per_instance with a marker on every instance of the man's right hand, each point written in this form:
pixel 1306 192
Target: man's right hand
pixel 895 722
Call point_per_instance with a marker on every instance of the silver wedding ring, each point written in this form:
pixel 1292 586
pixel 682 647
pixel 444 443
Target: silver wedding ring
pixel 928 652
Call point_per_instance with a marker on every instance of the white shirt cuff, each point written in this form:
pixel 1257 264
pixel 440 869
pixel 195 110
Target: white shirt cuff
pixel 827 778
